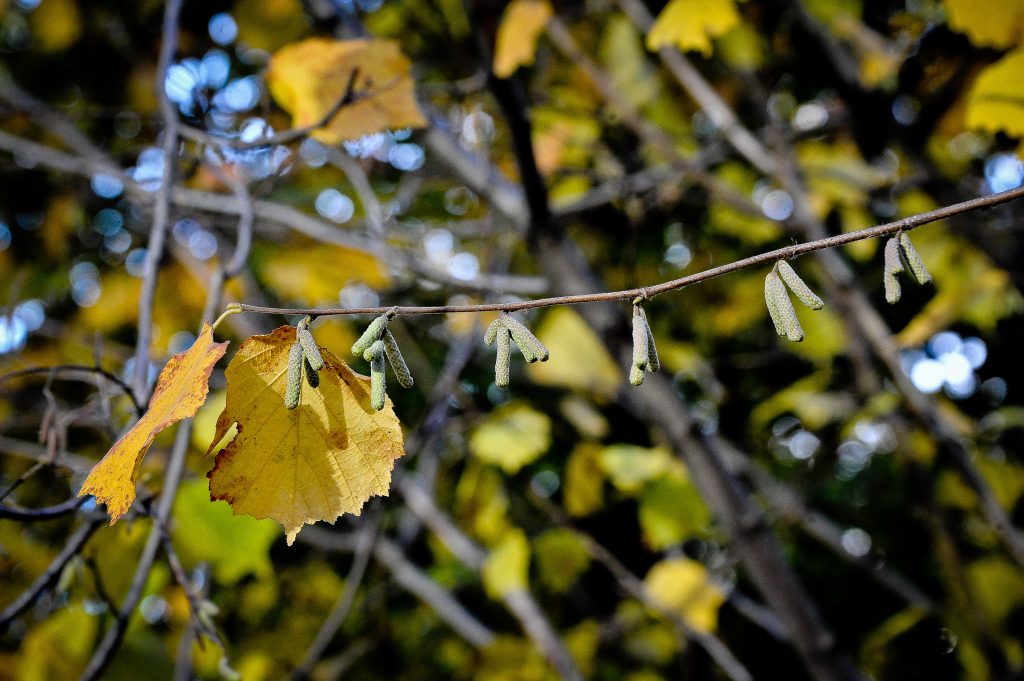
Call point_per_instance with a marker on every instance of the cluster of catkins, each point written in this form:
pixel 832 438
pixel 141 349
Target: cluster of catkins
pixel 376 343
pixel 304 359
pixel 900 255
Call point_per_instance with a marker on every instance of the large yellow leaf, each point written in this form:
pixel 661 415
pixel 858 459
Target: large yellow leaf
pixel 180 391
pixel 993 23
pixel 308 78
pixel 516 43
pixel 682 586
pixel 691 24
pixel 996 101
pixel 324 458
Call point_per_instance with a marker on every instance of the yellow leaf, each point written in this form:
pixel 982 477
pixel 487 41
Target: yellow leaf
pixel 516 43
pixel 180 392
pixel 994 23
pixel 584 481
pixel 579 358
pixel 308 78
pixel 996 102
pixel 671 510
pixel 512 436
pixel 324 458
pixel 691 24
pixel 630 466
pixel 682 585
pixel 56 24
pixel 506 567
pixel 561 558
pixel 314 273
pixel 58 647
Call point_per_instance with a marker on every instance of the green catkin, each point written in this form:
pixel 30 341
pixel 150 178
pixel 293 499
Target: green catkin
pixel 641 347
pixel 398 364
pixel 309 346
pixel 797 285
pixel 374 351
pixel 492 331
pixel 312 377
pixel 893 266
pixel 372 333
pixel 529 345
pixel 771 283
pixel 653 362
pixel 378 384
pixel 783 313
pixel 913 260
pixel 504 357
pixel 293 386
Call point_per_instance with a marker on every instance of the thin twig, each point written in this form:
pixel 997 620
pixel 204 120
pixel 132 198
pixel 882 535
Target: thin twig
pixel 365 541
pixel 161 213
pixel 788 252
pixel 68 372
pixel 74 544
pixel 28 515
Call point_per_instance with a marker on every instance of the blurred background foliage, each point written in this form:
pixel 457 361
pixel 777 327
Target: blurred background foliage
pixel 888 108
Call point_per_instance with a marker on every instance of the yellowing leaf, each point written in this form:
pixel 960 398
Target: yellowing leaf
pixel 180 392
pixel 579 358
pixel 671 510
pixel 561 558
pixel 993 23
pixel 996 102
pixel 314 273
pixel 58 647
pixel 682 586
pixel 512 436
pixel 584 480
pixel 630 466
pixel 516 43
pixel 507 565
pixel 235 546
pixel 308 78
pixel 691 24
pixel 56 24
pixel 324 458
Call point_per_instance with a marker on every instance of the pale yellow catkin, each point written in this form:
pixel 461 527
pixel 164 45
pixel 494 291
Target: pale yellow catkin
pixel 371 334
pixel 529 345
pixel 504 357
pixel 374 351
pixel 378 383
pixel 772 282
pixel 641 348
pixel 913 260
pixel 293 381
pixel 636 375
pixel 653 361
pixel 797 285
pixel 492 331
pixel 398 364
pixel 313 356
pixel 893 265
pixel 775 292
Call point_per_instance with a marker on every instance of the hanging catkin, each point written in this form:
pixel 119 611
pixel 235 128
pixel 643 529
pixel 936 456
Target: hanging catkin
pixel 893 266
pixel 293 380
pixel 372 334
pixel 781 308
pixel 800 289
pixel 398 364
pixel 913 260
